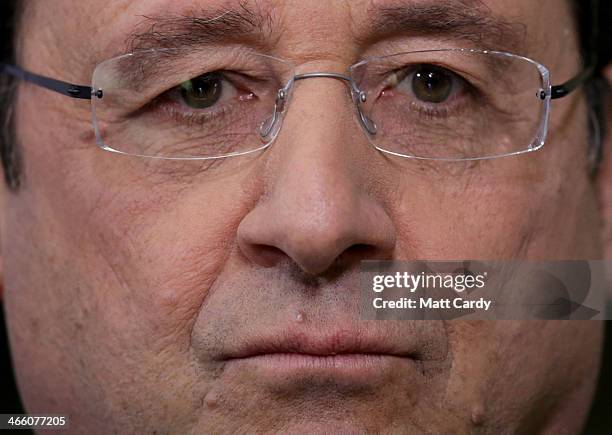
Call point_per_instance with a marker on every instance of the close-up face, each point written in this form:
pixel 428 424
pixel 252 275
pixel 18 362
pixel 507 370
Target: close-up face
pixel 155 295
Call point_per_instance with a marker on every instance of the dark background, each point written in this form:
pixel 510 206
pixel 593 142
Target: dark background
pixel 600 421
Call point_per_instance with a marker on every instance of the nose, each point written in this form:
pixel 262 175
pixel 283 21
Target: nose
pixel 318 209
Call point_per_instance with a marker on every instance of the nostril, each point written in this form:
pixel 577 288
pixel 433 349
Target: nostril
pixel 266 255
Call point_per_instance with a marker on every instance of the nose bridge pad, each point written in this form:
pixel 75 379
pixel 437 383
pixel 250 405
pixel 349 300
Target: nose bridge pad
pixel 359 98
pixel 369 125
pixel 269 127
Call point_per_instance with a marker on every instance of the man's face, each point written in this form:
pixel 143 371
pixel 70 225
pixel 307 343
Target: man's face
pixel 186 297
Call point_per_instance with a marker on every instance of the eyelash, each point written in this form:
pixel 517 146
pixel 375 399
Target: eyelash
pixel 440 110
pixel 432 112
pixel 169 105
pixel 191 118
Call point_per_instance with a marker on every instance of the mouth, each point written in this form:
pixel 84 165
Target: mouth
pixel 353 355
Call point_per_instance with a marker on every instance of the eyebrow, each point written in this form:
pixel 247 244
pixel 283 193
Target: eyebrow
pixel 199 27
pixel 467 20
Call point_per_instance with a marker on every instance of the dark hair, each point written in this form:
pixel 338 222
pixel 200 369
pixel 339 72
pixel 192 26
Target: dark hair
pixel 595 42
pixel 592 20
pixel 9 152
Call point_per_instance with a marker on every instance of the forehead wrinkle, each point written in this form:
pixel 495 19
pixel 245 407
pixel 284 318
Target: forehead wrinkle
pixel 468 20
pixel 200 27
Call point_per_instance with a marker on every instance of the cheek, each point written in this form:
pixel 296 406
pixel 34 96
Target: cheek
pixel 501 209
pixel 155 249
pixel 128 257
pixel 503 353
pixel 167 261
pixel 151 235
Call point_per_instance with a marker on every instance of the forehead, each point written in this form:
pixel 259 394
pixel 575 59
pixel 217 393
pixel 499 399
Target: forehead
pixel 98 29
pixel 104 18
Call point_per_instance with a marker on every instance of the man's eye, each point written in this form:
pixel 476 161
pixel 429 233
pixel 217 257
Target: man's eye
pixel 431 84
pixel 203 91
pixel 427 83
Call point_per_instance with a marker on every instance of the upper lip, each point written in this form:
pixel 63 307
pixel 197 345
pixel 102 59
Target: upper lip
pixel 340 341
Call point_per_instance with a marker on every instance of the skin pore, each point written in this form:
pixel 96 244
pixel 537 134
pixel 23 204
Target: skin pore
pixel 132 287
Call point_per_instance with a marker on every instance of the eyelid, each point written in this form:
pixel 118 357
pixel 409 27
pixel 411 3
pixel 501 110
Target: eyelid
pixel 392 82
pixel 169 104
pixel 406 72
pixel 231 77
pixel 175 92
pixel 471 80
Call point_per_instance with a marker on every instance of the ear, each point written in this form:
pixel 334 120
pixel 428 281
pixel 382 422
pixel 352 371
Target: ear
pixel 604 179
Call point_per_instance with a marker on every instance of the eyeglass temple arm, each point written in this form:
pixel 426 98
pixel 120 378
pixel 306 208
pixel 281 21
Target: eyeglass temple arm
pixel 564 89
pixel 64 88
pixel 85 92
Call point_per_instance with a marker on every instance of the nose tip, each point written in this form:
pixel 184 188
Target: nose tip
pixel 315 245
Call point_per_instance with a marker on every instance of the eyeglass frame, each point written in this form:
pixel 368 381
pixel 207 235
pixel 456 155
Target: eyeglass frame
pixel 88 93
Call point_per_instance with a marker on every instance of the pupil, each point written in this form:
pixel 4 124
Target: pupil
pixel 432 85
pixel 202 92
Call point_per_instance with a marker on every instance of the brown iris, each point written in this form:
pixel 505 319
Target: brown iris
pixel 432 84
pixel 203 91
